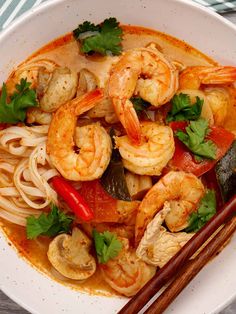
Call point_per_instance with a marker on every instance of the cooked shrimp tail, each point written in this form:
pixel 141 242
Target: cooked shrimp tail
pixel 193 77
pixel 87 101
pixel 218 75
pixel 129 119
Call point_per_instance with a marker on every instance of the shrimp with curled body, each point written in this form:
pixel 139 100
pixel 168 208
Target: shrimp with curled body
pixel 212 81
pixel 144 72
pixel 182 190
pixel 92 140
pixel 156 149
pixel 126 273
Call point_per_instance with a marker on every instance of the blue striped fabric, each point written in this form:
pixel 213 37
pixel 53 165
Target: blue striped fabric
pixel 11 9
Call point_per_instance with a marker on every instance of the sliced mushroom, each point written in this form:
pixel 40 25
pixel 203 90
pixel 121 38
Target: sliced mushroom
pixel 87 82
pixel 60 89
pixel 158 245
pixel 70 256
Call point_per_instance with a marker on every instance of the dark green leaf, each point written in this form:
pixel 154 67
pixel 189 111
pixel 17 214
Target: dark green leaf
pixel 183 110
pixel 226 173
pixel 140 104
pixel 206 210
pixel 107 246
pixel 113 179
pixel 194 139
pixel 104 39
pixel 55 222
pixel 23 98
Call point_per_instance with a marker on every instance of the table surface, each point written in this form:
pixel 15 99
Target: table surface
pixel 7 306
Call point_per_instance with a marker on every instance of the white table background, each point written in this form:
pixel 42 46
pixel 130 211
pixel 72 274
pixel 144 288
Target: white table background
pixel 7 306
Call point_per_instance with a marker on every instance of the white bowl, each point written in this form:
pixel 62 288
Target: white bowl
pixel 215 286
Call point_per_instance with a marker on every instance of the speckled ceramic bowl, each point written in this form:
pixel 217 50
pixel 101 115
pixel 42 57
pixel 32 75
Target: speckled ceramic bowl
pixel 215 286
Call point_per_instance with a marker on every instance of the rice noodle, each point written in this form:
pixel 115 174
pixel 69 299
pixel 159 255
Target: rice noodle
pixel 25 169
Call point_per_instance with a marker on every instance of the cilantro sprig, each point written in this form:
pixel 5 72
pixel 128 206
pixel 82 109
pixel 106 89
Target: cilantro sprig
pixel 183 110
pixel 23 98
pixel 107 246
pixel 104 38
pixel 206 210
pixel 195 140
pixel 51 224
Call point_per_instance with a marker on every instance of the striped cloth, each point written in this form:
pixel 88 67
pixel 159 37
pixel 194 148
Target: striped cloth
pixel 220 6
pixel 11 9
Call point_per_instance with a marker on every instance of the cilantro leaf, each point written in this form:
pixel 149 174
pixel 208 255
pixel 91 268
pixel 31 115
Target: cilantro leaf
pixel 107 245
pixel 85 27
pixel 194 139
pixel 55 222
pixel 183 110
pixel 206 210
pixel 23 98
pixel 104 39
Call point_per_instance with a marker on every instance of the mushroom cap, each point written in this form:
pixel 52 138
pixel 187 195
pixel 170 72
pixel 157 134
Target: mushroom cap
pixel 69 255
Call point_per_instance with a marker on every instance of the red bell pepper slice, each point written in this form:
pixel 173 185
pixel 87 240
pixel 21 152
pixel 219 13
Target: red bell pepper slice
pixel 183 159
pixel 103 205
pixel 73 199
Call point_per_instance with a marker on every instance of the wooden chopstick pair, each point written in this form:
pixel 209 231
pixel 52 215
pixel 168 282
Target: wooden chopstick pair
pixel 179 264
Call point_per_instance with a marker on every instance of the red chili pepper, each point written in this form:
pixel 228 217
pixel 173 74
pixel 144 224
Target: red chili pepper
pixel 72 197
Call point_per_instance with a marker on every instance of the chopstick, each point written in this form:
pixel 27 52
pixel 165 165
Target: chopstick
pixel 191 269
pixel 178 261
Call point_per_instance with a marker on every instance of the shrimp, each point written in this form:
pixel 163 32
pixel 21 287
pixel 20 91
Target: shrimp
pixel 182 190
pixel 144 72
pixel 218 98
pixel 126 273
pixel 156 149
pixel 103 109
pixel 92 140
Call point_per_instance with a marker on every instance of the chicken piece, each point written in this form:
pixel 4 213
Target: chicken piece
pixel 69 255
pixel 158 245
pixel 137 185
